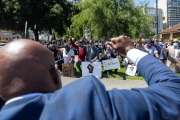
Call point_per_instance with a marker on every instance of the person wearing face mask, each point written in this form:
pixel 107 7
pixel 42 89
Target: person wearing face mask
pixel 159 46
pixel 173 57
pixel 150 49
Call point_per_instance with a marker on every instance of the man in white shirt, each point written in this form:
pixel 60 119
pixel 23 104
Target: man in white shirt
pixel 68 54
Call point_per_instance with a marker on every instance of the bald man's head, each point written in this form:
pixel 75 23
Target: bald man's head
pixel 26 67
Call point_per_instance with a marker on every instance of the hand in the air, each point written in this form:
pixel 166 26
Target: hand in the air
pixel 121 44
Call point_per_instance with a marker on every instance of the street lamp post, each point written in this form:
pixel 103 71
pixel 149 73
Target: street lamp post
pixel 157 17
pixel 25 29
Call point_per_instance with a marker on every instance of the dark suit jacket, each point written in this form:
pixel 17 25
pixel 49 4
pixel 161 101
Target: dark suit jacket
pixel 94 55
pixel 1 102
pixel 87 99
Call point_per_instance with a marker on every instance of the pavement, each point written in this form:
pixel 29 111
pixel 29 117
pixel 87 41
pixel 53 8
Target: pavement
pixel 111 83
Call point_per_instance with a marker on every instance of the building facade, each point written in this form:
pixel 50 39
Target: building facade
pixel 152 12
pixel 171 33
pixel 171 9
pixel 8 35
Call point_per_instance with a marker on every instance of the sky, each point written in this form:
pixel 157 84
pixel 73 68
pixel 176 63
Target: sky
pixel 151 2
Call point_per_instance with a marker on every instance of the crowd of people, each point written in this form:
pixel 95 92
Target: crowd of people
pixel 167 52
pixel 97 51
pixel 87 51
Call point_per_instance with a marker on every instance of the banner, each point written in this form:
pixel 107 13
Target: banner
pixel 91 69
pixel 111 64
pixel 131 70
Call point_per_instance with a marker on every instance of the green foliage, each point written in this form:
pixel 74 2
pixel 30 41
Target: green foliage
pixel 110 18
pixel 45 14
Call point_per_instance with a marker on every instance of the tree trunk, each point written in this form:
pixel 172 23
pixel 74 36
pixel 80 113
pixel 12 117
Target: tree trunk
pixel 36 34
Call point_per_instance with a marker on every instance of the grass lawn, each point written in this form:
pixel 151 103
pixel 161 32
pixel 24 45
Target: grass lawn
pixel 120 75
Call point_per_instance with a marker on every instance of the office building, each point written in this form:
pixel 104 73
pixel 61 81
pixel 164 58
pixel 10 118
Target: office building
pixel 171 9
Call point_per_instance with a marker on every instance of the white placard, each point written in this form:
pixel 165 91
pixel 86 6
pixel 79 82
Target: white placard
pixel 96 69
pixel 111 64
pixel 131 70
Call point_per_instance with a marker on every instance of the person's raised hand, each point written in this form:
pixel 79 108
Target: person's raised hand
pixel 121 44
pixel 141 36
pixel 70 38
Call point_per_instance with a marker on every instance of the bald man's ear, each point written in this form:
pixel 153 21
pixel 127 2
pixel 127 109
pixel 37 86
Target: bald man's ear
pixel 56 78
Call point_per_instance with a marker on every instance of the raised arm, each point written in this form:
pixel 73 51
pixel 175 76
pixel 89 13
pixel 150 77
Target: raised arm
pixel 72 43
pixel 159 101
pixel 140 41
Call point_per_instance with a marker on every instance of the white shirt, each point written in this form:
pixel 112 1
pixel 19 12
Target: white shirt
pixel 67 57
pixel 176 50
pixel 134 55
pixel 23 97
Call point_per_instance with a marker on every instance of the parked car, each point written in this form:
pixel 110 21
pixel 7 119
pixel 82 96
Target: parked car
pixel 2 44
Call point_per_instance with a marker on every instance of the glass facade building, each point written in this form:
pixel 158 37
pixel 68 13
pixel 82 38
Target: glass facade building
pixel 173 12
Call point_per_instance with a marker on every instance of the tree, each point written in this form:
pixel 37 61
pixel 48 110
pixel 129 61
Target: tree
pixel 40 14
pixel 110 18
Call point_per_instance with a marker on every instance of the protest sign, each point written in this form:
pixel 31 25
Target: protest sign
pixel 131 70
pixel 68 70
pixel 91 69
pixel 111 64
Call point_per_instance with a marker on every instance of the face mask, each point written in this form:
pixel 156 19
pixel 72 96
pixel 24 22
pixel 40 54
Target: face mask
pixel 169 43
pixel 175 44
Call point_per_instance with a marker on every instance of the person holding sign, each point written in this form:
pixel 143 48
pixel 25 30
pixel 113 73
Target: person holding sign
pixel 31 87
pixel 110 55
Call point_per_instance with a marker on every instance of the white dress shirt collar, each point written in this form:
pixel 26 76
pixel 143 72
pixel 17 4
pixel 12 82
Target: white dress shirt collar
pixel 22 97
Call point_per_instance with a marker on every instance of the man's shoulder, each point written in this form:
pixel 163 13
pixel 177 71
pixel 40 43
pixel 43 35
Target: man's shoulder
pixel 72 98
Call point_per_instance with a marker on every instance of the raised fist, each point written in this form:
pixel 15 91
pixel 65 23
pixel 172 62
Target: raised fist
pixel 121 44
